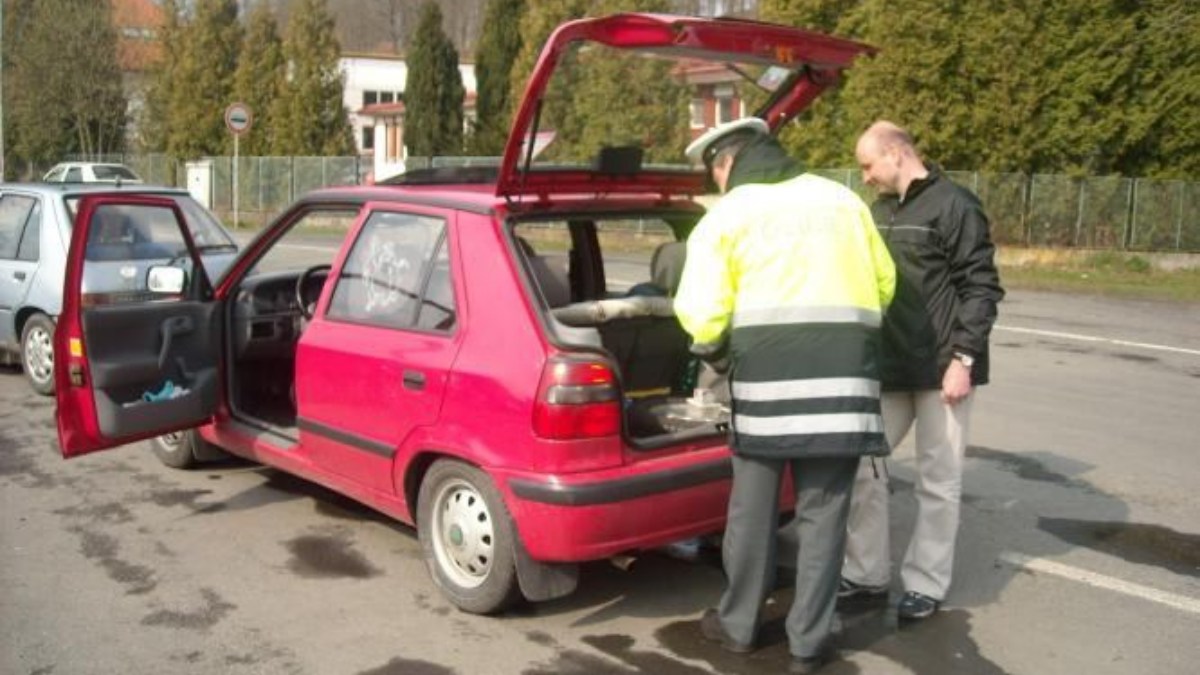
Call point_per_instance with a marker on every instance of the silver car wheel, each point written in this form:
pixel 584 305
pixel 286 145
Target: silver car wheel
pixel 463 534
pixel 39 354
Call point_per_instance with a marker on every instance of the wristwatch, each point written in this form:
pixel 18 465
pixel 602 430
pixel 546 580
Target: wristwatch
pixel 964 358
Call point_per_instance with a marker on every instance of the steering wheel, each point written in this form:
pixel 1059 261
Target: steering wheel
pixel 308 307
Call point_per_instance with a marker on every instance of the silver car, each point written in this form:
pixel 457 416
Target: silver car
pixel 35 231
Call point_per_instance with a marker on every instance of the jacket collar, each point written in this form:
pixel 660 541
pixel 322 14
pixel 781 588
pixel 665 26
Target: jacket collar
pixel 920 184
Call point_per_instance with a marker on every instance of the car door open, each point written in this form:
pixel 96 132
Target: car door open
pixel 139 333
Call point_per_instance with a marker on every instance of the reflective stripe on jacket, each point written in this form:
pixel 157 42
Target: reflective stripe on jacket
pixel 795 275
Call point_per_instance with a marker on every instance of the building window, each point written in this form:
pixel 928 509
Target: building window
pixel 370 98
pixel 368 138
pixel 386 97
pixel 697 113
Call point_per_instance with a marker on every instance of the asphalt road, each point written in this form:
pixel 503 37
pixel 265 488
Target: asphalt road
pixel 1079 549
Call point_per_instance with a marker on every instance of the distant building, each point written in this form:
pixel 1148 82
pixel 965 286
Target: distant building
pixel 374 98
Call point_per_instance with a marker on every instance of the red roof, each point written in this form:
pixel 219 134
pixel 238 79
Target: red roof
pixel 382 109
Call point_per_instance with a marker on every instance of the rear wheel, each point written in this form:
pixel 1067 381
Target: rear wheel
pixel 467 537
pixel 37 353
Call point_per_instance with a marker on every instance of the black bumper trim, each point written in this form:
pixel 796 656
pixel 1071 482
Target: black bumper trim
pixel 623 489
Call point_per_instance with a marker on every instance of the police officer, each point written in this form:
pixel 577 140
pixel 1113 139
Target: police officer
pixel 785 283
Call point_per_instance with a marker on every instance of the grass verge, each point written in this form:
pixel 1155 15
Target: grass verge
pixel 1107 273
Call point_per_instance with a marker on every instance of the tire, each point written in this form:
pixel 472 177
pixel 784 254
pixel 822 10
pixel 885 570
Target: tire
pixel 177 449
pixel 37 353
pixel 467 535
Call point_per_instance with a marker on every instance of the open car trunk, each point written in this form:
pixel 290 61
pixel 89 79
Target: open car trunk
pixel 605 284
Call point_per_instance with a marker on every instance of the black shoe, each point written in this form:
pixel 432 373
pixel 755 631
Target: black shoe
pixel 916 606
pixel 803 665
pixel 850 591
pixel 711 628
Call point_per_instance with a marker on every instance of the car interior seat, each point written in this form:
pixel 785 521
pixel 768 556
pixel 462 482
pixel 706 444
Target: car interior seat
pixel 551 275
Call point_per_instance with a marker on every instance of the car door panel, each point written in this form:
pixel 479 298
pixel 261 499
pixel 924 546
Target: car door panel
pixel 131 362
pixel 136 350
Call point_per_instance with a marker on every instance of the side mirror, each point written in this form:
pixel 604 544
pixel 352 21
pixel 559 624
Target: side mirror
pixel 166 279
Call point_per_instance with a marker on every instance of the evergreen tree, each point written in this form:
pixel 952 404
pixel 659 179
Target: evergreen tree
pixel 259 77
pixel 308 117
pixel 155 123
pixel 203 80
pixel 433 97
pixel 66 95
pixel 498 49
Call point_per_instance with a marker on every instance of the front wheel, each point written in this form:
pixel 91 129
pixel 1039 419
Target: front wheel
pixel 177 449
pixel 467 538
pixel 37 353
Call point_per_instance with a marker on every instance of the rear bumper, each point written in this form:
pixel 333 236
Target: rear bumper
pixel 591 516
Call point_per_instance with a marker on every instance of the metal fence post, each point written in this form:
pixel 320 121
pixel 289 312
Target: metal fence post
pixel 1179 219
pixel 1026 208
pixel 1133 196
pixel 1079 210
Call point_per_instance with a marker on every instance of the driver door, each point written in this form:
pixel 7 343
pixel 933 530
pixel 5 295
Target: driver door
pixel 137 342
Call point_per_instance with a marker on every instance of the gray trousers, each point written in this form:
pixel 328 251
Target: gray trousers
pixel 941 440
pixel 749 549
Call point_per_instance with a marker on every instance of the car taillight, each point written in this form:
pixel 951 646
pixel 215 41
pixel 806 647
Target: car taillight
pixel 577 398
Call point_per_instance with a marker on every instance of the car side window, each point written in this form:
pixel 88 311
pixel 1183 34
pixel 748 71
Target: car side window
pixel 14 213
pixel 438 310
pixel 74 175
pixel 124 242
pixel 383 280
pixel 30 248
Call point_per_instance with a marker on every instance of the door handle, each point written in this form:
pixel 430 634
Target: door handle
pixel 19 276
pixel 414 380
pixel 176 325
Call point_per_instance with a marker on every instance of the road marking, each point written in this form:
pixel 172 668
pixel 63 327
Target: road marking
pixel 1092 338
pixel 1181 602
pixel 301 247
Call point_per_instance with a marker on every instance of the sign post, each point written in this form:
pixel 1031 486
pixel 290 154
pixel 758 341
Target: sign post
pixel 238 119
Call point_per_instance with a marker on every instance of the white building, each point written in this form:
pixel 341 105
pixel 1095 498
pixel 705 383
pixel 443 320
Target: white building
pixel 374 98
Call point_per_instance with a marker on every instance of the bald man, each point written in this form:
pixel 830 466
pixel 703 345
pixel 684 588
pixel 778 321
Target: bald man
pixel 935 352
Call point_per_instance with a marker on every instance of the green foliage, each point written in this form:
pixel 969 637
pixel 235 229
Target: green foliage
pixel 259 77
pixel 62 96
pixel 201 80
pixel 1070 86
pixel 307 116
pixel 433 97
pixel 498 48
pixel 600 97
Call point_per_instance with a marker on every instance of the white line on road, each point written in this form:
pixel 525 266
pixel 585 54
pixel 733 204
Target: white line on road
pixel 300 247
pixel 1092 338
pixel 1181 602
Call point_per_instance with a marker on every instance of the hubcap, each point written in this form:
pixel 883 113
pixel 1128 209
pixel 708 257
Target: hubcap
pixel 463 535
pixel 39 355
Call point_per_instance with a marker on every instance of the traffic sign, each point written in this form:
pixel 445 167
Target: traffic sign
pixel 238 118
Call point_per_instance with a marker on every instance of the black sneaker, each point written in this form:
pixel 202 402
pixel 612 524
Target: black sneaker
pixel 804 665
pixel 916 606
pixel 711 628
pixel 850 591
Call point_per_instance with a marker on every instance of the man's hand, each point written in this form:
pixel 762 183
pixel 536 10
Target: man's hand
pixel 956 383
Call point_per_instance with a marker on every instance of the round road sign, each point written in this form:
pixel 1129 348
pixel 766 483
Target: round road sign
pixel 238 118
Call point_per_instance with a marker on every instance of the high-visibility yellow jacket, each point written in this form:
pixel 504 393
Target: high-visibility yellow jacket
pixel 795 276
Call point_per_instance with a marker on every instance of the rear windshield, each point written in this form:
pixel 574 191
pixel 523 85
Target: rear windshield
pixel 143 234
pixel 602 96
pixel 113 173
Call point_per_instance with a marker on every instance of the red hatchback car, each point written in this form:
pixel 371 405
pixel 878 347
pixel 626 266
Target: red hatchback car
pixel 469 350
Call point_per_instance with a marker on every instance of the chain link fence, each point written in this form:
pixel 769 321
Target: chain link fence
pixel 1042 210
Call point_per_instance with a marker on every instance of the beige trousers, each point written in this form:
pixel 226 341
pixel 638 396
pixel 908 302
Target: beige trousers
pixel 941 439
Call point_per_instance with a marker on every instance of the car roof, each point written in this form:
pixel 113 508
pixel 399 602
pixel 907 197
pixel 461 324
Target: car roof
pixel 480 197
pixel 79 189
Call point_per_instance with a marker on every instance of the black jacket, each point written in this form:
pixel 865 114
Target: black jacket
pixel 947 286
